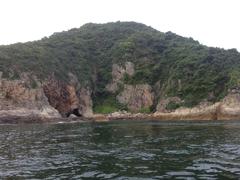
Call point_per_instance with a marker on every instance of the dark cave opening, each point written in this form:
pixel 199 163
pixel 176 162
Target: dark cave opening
pixel 75 112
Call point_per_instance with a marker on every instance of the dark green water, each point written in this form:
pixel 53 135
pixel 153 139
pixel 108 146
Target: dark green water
pixel 121 150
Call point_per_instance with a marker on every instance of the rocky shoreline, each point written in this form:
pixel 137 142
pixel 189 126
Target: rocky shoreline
pixel 55 101
pixel 180 115
pixel 227 109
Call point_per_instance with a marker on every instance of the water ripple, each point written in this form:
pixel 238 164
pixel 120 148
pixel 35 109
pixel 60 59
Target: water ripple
pixel 121 150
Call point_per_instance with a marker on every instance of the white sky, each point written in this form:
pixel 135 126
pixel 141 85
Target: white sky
pixel 212 22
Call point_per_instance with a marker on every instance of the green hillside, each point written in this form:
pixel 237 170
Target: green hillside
pixel 182 66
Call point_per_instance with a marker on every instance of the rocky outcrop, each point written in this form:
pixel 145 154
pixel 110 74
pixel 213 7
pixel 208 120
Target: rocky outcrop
pixel 62 97
pixel 206 112
pixel 55 99
pixel 118 73
pixel 84 95
pixel 136 97
pixel 18 99
pixel 67 99
pixel 85 102
pixel 50 99
pixel 227 109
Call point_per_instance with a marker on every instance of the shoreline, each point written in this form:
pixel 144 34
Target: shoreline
pixel 121 117
pixel 39 120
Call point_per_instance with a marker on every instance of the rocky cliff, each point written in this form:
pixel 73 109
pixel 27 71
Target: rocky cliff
pixel 53 99
pixel 136 97
pixel 49 99
pixel 18 99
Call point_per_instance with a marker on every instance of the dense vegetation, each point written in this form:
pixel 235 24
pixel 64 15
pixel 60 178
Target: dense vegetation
pixel 181 65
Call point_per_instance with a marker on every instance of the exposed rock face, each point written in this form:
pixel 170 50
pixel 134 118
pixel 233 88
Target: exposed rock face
pixel 129 68
pixel 136 97
pixel 51 99
pixel 85 102
pixel 118 73
pixel 208 112
pixel 230 107
pixel 227 109
pixel 84 95
pixel 69 98
pixel 61 96
pixel 17 99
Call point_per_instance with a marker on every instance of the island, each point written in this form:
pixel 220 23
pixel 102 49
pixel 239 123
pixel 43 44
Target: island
pixel 120 70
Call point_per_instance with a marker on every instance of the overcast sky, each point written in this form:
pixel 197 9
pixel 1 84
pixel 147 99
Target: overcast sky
pixel 211 22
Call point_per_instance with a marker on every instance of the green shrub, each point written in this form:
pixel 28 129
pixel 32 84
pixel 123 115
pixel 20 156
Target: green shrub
pixel 145 110
pixel 107 103
pixel 105 109
pixel 173 105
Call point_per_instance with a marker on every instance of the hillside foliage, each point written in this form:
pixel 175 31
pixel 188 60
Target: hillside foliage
pixel 183 66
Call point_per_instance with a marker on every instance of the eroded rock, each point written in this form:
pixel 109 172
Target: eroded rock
pixel 61 96
pixel 85 102
pixel 118 73
pixel 136 97
pixel 18 99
